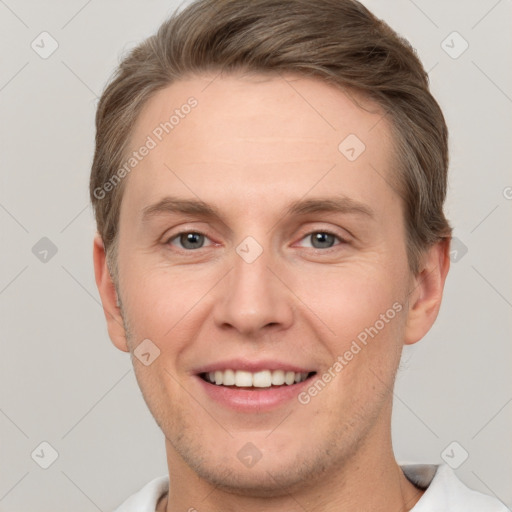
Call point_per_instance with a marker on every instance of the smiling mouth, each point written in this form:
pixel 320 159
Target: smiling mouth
pixel 255 380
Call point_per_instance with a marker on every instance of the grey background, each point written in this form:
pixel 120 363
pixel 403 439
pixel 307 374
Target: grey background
pixel 63 382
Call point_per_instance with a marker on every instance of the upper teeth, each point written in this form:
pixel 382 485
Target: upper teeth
pixel 261 379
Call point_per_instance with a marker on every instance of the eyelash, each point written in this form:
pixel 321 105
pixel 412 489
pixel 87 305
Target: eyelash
pixel 322 231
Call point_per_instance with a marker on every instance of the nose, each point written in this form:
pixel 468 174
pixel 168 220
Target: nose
pixel 254 298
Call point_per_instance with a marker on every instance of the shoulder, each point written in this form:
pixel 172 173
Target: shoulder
pixel 146 499
pixel 446 493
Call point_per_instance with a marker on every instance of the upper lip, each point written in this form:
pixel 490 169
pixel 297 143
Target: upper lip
pixel 252 366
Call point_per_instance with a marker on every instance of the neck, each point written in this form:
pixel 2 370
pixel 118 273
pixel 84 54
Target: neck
pixel 369 480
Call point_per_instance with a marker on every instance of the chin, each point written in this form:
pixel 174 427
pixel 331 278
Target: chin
pixel 269 480
pixel 281 471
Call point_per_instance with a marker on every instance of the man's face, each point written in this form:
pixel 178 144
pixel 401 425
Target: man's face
pixel 261 290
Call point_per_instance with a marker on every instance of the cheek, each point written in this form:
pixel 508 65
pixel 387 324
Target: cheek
pixel 349 300
pixel 159 297
pixel 363 309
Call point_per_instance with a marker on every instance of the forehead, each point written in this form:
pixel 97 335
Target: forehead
pixel 259 105
pixel 214 135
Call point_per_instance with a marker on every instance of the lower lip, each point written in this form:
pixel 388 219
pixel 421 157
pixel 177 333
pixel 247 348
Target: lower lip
pixel 253 400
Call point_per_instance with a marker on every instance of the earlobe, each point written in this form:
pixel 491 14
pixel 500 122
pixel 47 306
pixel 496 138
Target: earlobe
pixel 108 295
pixel 426 291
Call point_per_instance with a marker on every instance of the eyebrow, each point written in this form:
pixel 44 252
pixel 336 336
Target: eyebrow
pixel 337 204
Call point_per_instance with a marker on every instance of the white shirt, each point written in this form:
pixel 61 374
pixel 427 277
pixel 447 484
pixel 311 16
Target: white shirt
pixel 444 493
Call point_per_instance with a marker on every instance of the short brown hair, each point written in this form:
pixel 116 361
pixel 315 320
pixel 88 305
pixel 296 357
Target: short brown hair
pixel 337 41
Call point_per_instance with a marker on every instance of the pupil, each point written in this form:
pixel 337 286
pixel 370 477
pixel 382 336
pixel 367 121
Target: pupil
pixel 191 240
pixel 323 239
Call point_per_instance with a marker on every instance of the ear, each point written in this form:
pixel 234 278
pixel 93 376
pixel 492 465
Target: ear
pixel 427 291
pixel 108 296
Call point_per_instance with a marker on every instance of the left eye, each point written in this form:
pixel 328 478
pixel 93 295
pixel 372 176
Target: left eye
pixel 189 240
pixel 322 239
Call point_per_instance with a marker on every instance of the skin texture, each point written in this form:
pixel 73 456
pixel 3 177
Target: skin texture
pixel 251 146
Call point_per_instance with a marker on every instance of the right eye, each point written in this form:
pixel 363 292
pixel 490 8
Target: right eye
pixel 188 240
